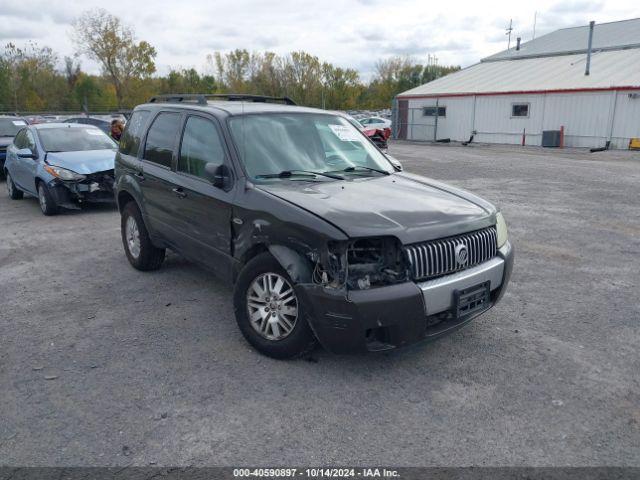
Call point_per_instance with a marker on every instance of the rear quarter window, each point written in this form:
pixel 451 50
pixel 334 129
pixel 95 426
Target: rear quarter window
pixel 130 141
pixel 161 139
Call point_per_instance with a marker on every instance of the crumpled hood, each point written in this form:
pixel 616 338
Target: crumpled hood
pixel 409 207
pixel 84 162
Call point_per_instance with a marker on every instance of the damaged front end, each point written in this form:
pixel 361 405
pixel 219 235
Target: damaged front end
pixel 362 296
pixel 70 191
pixel 378 137
pixel 361 264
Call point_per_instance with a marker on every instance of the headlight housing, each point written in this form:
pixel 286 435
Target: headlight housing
pixel 362 264
pixel 63 173
pixel 501 228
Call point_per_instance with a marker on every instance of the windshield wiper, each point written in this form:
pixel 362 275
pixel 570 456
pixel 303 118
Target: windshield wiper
pixel 370 169
pixel 291 173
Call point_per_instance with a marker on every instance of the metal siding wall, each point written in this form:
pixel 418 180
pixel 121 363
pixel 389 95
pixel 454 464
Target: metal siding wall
pixel 586 116
pixel 494 123
pixel 626 123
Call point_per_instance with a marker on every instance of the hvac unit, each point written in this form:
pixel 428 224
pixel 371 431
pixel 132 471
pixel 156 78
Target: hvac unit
pixel 551 138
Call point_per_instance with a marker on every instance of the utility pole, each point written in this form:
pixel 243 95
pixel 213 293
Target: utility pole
pixel 508 32
pixel 535 19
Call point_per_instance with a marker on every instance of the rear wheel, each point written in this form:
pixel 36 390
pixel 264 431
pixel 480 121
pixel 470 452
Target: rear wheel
pixel 270 314
pixel 12 190
pixel 47 203
pixel 141 253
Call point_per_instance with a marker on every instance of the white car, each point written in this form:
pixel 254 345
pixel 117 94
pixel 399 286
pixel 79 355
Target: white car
pixel 376 122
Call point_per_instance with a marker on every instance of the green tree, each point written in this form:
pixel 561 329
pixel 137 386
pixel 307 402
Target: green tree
pixel 104 38
pixel 187 81
pixel 32 82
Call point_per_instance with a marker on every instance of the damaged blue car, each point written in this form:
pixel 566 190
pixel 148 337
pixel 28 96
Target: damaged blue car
pixel 63 165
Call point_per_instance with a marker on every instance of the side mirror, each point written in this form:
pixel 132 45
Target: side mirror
pixel 218 175
pixel 25 153
pixel 395 162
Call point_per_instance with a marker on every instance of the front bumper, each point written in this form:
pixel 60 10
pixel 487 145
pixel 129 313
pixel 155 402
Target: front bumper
pixel 398 315
pixel 97 188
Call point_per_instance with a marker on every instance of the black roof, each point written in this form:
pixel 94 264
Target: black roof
pixel 235 104
pixel 202 98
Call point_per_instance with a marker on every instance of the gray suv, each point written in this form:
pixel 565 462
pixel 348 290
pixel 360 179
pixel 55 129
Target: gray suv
pixel 323 236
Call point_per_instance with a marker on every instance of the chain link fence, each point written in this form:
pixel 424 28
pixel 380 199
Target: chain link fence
pixel 414 123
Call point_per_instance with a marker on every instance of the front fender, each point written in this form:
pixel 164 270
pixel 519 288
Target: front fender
pixel 296 265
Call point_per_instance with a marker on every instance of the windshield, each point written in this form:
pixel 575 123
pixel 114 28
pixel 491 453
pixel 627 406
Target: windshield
pixel 9 127
pixel 272 143
pixel 70 139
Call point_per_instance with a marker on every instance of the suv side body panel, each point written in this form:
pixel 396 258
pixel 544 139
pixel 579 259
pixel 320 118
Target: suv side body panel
pixel 158 184
pixel 202 213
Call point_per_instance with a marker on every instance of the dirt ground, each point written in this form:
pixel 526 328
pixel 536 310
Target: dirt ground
pixel 103 365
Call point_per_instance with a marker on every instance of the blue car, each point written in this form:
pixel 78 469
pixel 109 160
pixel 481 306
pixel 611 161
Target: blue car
pixel 9 127
pixel 63 164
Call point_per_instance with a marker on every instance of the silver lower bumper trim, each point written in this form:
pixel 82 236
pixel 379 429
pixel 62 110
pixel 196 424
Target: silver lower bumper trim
pixel 438 293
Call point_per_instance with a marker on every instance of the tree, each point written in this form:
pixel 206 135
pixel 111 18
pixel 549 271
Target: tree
pixel 104 38
pixel 32 82
pixel 187 81
pixel 398 74
pixel 72 71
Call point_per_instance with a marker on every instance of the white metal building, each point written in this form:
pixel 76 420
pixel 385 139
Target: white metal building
pixel 539 85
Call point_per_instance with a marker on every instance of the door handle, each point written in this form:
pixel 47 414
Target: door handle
pixel 139 176
pixel 179 192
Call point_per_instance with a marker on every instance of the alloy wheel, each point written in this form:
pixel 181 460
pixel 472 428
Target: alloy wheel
pixel 132 234
pixel 272 305
pixel 42 198
pixel 9 185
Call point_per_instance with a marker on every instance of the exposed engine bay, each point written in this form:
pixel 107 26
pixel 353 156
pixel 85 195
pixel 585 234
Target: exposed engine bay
pixel 362 264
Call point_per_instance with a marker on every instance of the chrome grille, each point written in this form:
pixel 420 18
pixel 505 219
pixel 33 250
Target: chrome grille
pixel 437 257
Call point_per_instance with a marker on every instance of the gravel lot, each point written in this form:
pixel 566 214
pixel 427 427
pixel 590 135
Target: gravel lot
pixel 103 365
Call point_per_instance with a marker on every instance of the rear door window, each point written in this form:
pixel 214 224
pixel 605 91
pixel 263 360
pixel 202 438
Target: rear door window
pixel 130 141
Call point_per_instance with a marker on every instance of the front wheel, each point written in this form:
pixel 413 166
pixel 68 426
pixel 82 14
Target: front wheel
pixel 47 203
pixel 270 314
pixel 12 190
pixel 141 253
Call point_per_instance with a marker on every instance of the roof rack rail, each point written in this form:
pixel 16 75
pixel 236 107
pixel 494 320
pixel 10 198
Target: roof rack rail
pixel 201 98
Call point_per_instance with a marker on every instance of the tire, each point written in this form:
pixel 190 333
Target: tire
pixel 48 205
pixel 299 340
pixel 141 253
pixel 12 190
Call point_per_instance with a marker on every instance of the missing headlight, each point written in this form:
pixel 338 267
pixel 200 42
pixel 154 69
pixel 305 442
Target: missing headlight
pixel 362 264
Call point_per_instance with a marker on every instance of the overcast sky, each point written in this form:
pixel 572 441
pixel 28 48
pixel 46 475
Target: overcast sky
pixel 349 33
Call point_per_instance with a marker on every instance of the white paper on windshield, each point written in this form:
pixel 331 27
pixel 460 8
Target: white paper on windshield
pixel 18 122
pixel 345 133
pixel 94 132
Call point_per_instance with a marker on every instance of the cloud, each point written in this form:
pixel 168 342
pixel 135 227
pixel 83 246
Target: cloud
pixel 349 33
pixel 37 10
pixel 18 31
pixel 576 7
